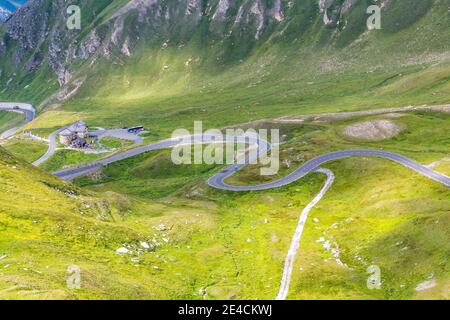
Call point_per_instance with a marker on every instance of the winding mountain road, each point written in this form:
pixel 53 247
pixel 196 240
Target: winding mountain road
pixel 218 179
pixel 52 144
pixel 24 108
pixel 30 114
pixel 263 147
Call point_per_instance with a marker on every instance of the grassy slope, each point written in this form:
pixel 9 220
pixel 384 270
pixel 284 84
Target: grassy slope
pixel 278 78
pixel 68 158
pixel 219 245
pixel 62 226
pixel 301 68
pixel 377 210
pixel 26 149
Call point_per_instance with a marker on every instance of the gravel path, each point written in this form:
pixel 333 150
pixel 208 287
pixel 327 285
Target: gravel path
pixel 295 243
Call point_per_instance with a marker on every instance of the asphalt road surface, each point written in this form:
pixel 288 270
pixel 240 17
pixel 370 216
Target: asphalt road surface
pixel 263 147
pixel 218 180
pixel 313 165
pixel 52 144
pixel 24 108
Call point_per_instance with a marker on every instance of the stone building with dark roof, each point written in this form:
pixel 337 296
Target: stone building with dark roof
pixel 74 134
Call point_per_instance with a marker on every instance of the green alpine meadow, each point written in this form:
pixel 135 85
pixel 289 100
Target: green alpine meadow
pixel 321 171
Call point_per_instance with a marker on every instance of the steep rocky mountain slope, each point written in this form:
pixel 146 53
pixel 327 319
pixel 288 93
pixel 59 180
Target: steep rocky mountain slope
pixel 40 56
pixel 147 229
pixel 8 7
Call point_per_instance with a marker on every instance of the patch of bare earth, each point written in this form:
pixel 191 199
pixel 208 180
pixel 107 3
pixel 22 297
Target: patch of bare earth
pixel 375 130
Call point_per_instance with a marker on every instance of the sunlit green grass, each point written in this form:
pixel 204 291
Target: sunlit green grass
pixel 224 245
pixel 9 120
pixel 68 158
pixel 114 143
pixel 27 150
pixel 372 201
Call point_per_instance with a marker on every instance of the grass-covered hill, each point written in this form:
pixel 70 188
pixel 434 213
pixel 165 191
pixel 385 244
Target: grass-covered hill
pixel 164 62
pixel 210 244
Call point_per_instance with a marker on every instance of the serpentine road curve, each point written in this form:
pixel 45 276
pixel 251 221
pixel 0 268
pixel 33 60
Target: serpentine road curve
pixel 262 148
pixel 24 108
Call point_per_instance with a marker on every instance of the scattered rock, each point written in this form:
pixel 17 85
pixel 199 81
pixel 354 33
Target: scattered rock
pixel 274 238
pixel 333 248
pixel 96 175
pixel 123 250
pixel 426 285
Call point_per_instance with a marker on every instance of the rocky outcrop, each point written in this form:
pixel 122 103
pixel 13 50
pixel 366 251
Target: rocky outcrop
pixel 37 34
pixel 90 45
pixel 29 25
pixel 4 14
pixel 334 12
pixel 220 14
